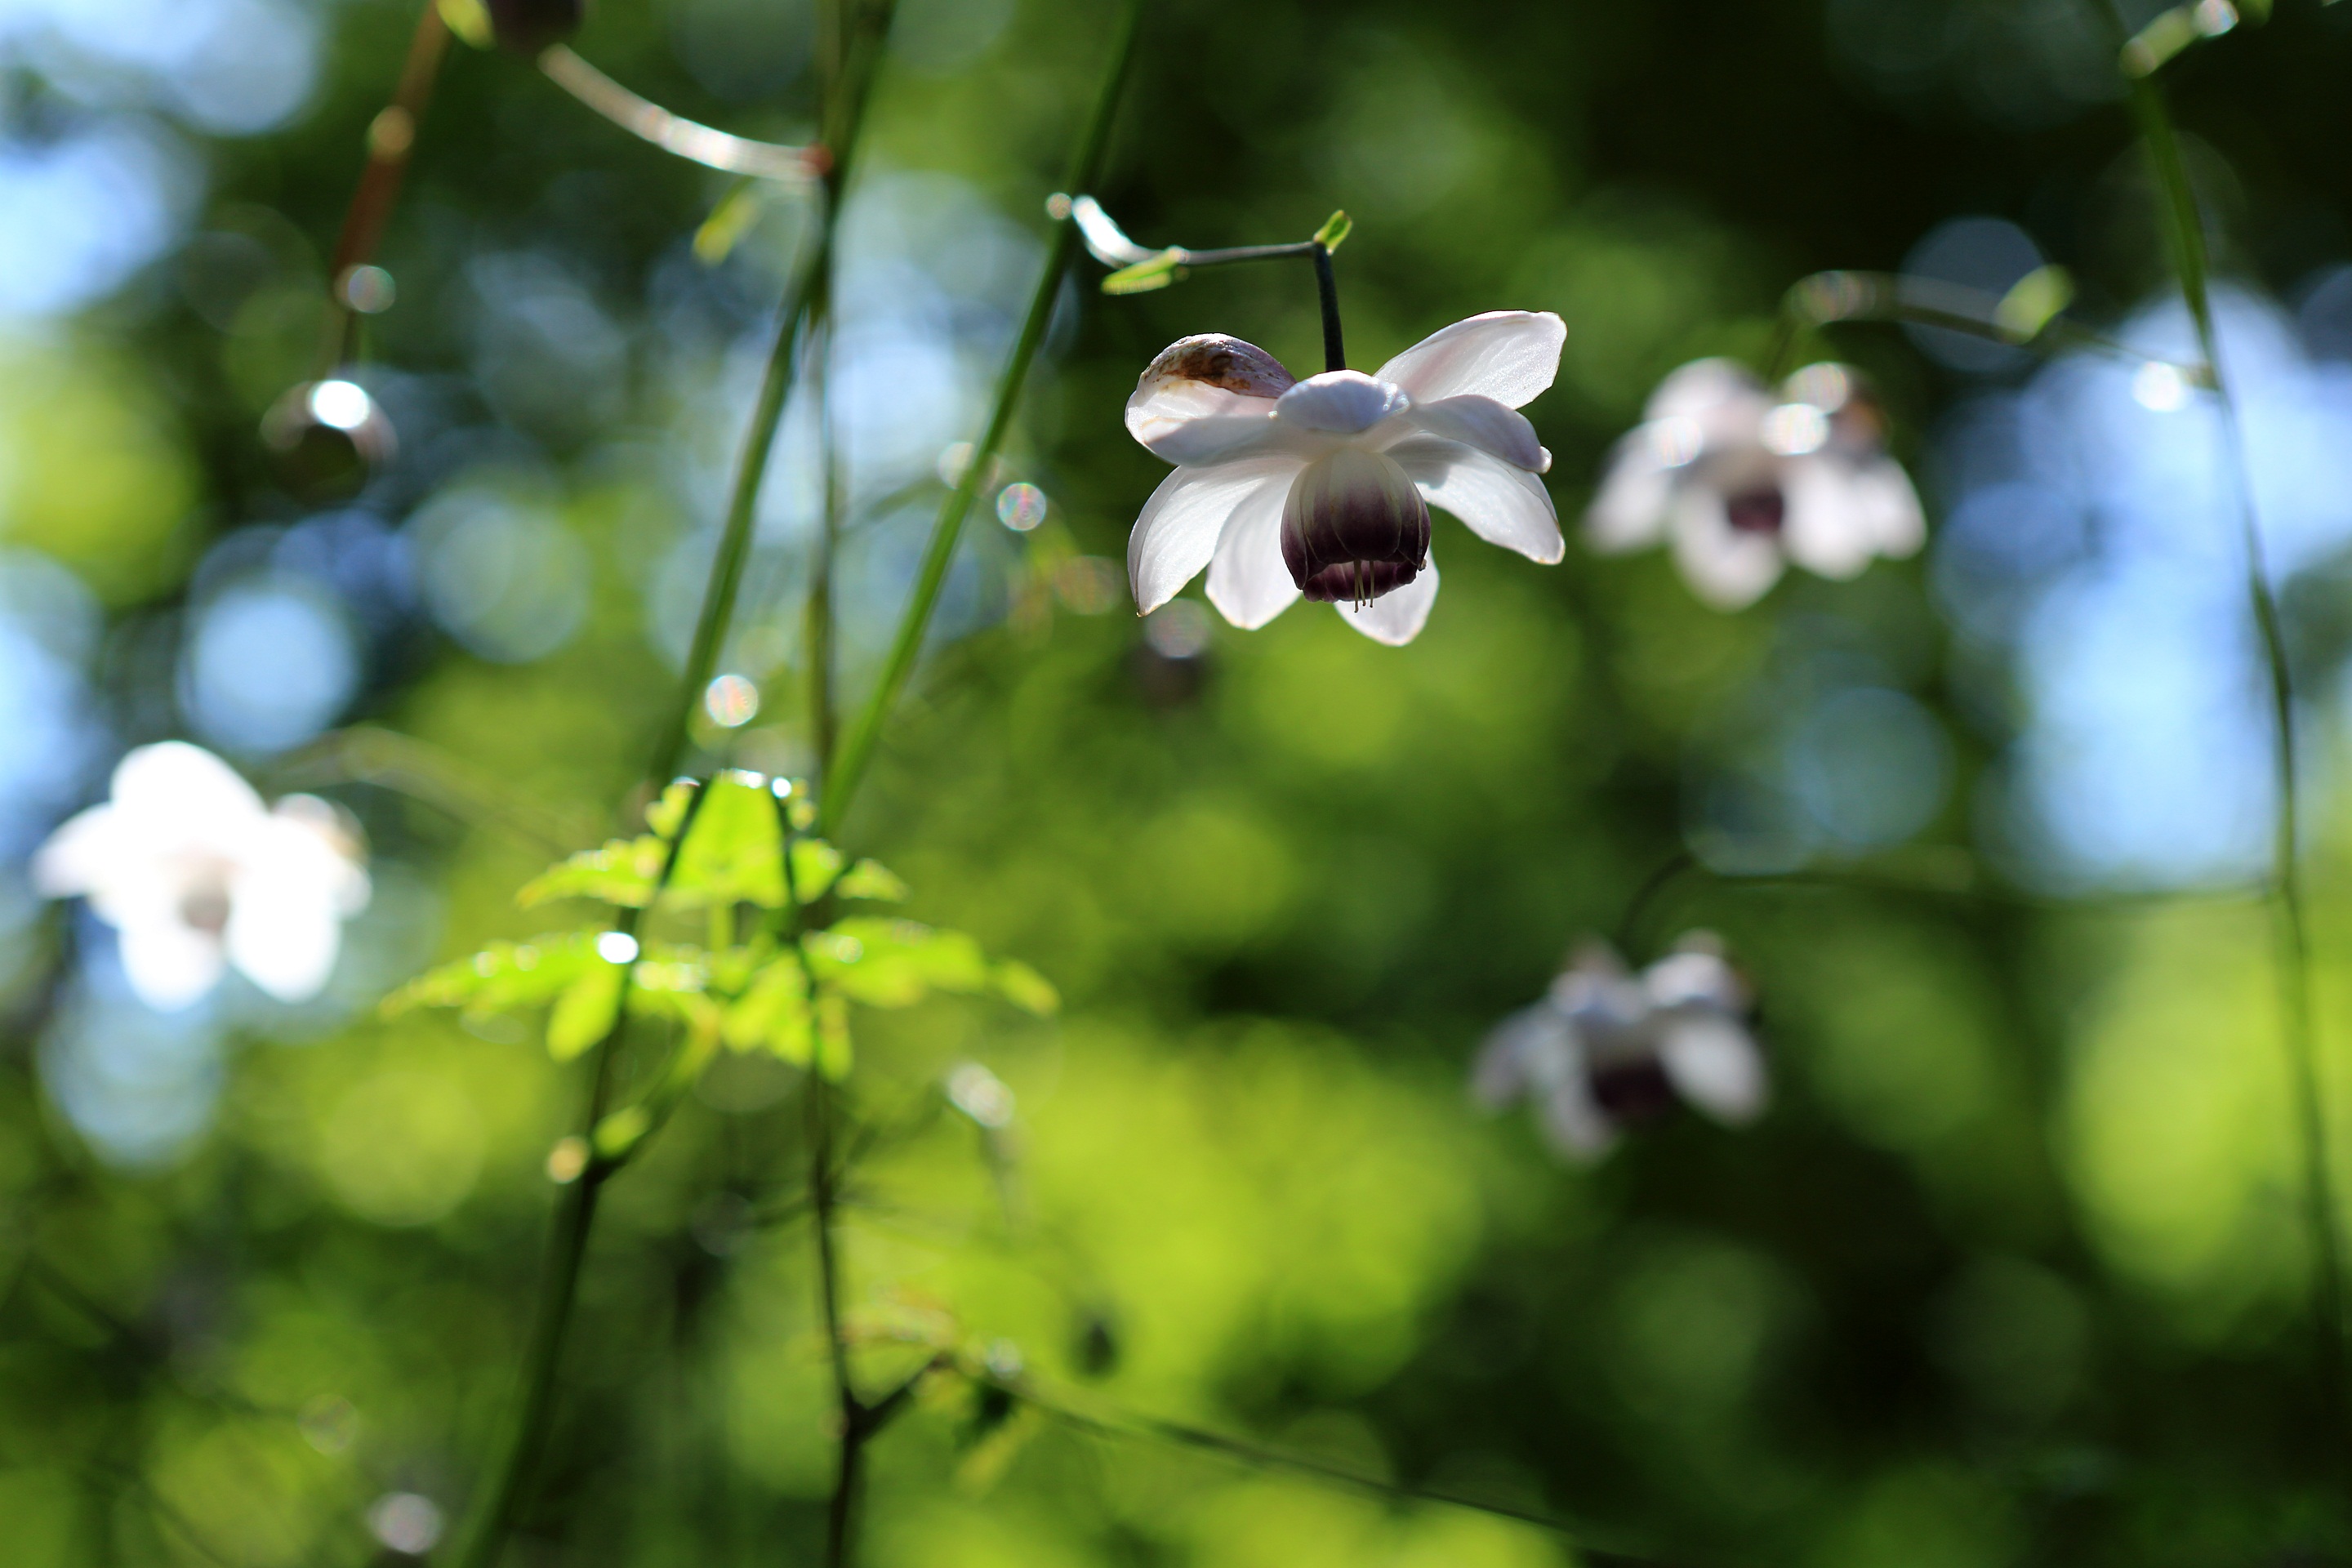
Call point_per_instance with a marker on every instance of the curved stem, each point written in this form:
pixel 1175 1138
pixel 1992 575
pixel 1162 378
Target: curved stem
pixel 674 134
pixel 2292 935
pixel 844 771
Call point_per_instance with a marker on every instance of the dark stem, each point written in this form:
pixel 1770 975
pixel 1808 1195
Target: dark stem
pixel 847 1410
pixel 391 138
pixel 1335 353
pixel 843 771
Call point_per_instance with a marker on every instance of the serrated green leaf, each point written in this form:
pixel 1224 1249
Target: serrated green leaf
pixel 1336 227
pixel 773 1013
pixel 622 873
pixel 872 880
pixel 1145 276
pixel 585 1014
pixel 1025 988
pixel 505 974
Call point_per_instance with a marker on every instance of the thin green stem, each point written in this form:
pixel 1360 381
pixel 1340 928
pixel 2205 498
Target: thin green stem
pixel 848 1412
pixel 847 767
pixel 844 123
pixel 2292 934
pixel 819 632
pixel 575 1217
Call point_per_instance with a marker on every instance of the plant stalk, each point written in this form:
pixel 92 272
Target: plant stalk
pixel 2291 923
pixel 846 118
pixel 819 634
pixel 1326 288
pixel 847 769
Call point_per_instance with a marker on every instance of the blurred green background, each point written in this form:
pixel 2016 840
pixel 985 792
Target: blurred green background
pixel 2010 1274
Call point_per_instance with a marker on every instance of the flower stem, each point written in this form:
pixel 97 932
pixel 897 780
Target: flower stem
pixel 2291 925
pixel 1335 352
pixel 847 767
pixel 819 635
pixel 847 1410
pixel 844 119
pixel 391 137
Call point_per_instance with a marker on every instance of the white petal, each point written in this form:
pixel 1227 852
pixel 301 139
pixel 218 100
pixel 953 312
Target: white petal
pixel 1629 512
pixel 1499 503
pixel 1396 617
pixel 1695 976
pixel 1106 241
pixel 1248 581
pixel 1507 355
pixel 1726 567
pixel 327 841
pixel 1531 1049
pixel 1205 398
pixel 1713 1065
pixel 183 784
pixel 1707 390
pixel 83 855
pixel 1178 530
pixel 283 934
pixel 1492 427
pixel 1829 526
pixel 1575 1122
pixel 1898 522
pixel 1341 403
pixel 169 963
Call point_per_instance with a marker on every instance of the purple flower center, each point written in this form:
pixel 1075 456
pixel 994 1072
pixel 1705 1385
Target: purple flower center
pixel 1353 527
pixel 1757 512
pixel 1634 1089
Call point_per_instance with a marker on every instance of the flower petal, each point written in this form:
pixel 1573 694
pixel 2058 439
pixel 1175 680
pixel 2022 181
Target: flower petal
pixel 1494 428
pixel 1574 1121
pixel 1899 523
pixel 1248 581
pixel 83 855
pixel 1396 618
pixel 1507 355
pixel 170 963
pixel 1637 492
pixel 283 932
pixel 1178 530
pixel 1222 385
pixel 1499 503
pixel 1531 1049
pixel 1727 568
pixel 1714 1064
pixel 1341 403
pixel 1713 392
pixel 185 784
pixel 1831 526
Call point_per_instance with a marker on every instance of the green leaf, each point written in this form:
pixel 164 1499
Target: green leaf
pixel 729 222
pixel 1335 229
pixel 469 21
pixel 871 880
pixel 733 851
pixel 1026 989
pixel 585 1014
pixel 1145 276
pixel 816 864
pixel 2033 302
pixel 623 873
pixel 895 964
pixel 773 1013
pixel 503 975
pixel 668 809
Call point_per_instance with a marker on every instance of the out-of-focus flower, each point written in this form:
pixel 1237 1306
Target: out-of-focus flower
pixel 196 873
pixel 1323 486
pixel 1742 482
pixel 1606 1048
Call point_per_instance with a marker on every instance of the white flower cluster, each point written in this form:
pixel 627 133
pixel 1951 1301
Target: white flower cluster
pixel 1606 1048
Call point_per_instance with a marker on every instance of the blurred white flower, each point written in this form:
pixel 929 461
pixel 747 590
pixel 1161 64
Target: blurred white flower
pixel 1323 486
pixel 1741 483
pixel 196 873
pixel 1606 1048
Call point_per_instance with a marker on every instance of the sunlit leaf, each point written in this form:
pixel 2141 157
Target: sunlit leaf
pixel 1336 227
pixel 773 1013
pixel 585 1014
pixel 1145 276
pixel 729 222
pixel 816 864
pixel 669 808
pixel 871 880
pixel 895 964
pixel 471 21
pixel 2033 302
pixel 504 975
pixel 1026 989
pixel 622 873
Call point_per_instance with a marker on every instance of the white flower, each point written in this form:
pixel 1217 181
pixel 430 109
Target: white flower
pixel 195 872
pixel 1742 482
pixel 1323 485
pixel 1606 1048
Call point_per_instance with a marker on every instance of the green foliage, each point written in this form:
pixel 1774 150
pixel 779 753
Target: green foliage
pixel 1335 229
pixel 783 989
pixel 1156 272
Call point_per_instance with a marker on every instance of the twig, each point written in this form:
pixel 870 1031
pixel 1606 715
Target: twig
pixel 674 134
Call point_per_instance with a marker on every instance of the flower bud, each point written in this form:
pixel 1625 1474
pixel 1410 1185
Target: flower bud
pixel 325 439
pixel 1353 527
pixel 527 27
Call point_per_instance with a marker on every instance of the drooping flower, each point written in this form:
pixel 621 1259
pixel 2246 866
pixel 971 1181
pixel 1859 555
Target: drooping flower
pixel 1322 488
pixel 196 874
pixel 1742 481
pixel 1606 1048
